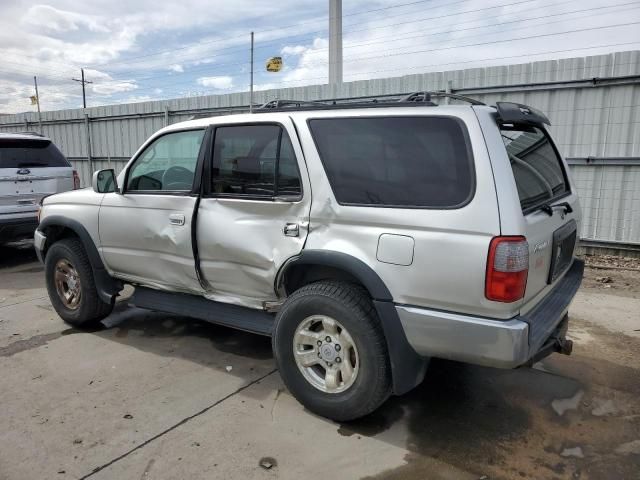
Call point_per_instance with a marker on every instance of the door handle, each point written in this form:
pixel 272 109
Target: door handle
pixel 176 219
pixel 291 230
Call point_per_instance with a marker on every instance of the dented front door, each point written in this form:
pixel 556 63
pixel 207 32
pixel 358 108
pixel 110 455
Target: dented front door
pixel 255 211
pixel 145 231
pixel 147 239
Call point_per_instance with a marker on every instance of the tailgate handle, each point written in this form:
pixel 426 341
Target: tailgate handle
pixel 176 219
pixel 548 209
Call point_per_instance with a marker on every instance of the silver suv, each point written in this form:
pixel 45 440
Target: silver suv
pixel 363 238
pixel 31 167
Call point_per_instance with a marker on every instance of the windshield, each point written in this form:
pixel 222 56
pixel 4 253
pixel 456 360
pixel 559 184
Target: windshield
pixel 28 153
pixel 536 166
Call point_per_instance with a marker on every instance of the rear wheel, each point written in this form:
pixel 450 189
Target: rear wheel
pixel 71 285
pixel 331 351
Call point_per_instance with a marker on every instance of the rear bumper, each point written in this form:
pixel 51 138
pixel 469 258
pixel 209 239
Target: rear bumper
pixel 16 227
pixel 495 343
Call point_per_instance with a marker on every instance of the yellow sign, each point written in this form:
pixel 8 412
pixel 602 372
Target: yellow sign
pixel 34 100
pixel 274 64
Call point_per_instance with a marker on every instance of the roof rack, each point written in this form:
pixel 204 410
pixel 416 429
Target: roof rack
pixel 274 104
pixel 427 96
pixel 397 100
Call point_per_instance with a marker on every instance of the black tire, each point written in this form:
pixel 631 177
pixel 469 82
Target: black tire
pixel 350 306
pixel 90 309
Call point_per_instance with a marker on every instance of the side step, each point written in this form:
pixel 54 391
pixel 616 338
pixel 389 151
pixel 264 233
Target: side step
pixel 234 316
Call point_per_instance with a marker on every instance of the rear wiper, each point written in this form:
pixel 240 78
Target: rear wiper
pixel 548 209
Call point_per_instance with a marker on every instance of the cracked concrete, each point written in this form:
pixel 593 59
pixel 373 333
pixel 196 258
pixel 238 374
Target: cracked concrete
pixel 150 397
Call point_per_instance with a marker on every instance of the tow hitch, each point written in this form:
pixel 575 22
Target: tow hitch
pixel 557 343
pixel 563 346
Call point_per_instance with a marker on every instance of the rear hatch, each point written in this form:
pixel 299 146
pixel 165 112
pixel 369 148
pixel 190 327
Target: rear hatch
pixel 550 209
pixel 30 168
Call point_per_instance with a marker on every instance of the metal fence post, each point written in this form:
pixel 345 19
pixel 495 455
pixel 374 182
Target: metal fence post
pixel 88 146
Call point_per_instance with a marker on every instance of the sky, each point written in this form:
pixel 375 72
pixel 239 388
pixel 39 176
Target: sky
pixel 139 50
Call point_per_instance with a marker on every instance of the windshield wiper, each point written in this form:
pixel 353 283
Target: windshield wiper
pixel 548 209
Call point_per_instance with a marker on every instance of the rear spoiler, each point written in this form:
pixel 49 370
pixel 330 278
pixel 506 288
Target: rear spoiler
pixel 520 114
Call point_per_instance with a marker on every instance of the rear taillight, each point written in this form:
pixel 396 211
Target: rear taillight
pixel 507 269
pixel 76 180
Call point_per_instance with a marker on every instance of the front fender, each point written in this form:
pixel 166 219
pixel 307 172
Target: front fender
pixel 106 285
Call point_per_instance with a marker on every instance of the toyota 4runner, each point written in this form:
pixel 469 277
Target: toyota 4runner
pixel 364 238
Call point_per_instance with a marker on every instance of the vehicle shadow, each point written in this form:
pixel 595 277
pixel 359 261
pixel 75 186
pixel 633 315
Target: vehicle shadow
pixel 167 334
pixel 523 423
pixel 500 423
pixel 18 253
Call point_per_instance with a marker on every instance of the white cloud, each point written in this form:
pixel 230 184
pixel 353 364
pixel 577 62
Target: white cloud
pixel 220 83
pixel 166 49
pixel 49 18
pixel 109 88
pixel 293 50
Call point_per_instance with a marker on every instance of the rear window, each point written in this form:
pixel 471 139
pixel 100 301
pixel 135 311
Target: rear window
pixel 536 166
pixel 27 153
pixel 422 162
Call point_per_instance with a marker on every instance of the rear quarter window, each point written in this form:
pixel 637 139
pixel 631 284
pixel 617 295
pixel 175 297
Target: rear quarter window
pixel 536 166
pixel 28 153
pixel 411 162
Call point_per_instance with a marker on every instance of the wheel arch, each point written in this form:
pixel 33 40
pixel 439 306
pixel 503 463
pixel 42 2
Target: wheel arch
pixel 407 367
pixel 56 227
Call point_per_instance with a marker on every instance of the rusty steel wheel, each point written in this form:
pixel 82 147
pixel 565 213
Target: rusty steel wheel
pixel 68 284
pixel 71 284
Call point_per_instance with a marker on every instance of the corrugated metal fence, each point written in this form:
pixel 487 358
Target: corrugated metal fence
pixel 593 103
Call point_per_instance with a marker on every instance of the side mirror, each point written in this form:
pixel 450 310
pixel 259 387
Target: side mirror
pixel 104 181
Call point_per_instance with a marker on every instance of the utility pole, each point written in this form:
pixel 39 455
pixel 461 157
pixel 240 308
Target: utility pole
pixel 335 42
pixel 35 83
pixel 83 82
pixel 251 81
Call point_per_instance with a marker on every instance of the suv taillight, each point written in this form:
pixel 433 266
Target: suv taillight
pixel 76 180
pixel 507 269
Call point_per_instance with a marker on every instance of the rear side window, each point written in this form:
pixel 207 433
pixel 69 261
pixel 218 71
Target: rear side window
pixel 254 161
pixel 536 166
pixel 396 161
pixel 28 153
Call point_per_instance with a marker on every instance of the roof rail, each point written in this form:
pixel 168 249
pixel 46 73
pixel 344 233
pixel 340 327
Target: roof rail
pixel 273 104
pixel 427 96
pixel 414 99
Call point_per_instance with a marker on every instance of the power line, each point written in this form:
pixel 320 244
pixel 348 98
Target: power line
pixel 493 42
pixel 348 46
pixel 548 52
pixel 133 59
pixel 437 33
pixel 430 18
pixel 284 27
pixel 414 67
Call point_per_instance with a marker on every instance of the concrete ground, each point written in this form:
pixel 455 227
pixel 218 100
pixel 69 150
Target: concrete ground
pixel 153 396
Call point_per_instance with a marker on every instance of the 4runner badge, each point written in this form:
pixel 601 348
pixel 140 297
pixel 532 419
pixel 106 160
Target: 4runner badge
pixel 540 246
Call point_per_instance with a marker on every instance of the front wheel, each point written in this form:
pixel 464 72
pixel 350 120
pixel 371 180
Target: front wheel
pixel 331 351
pixel 71 286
